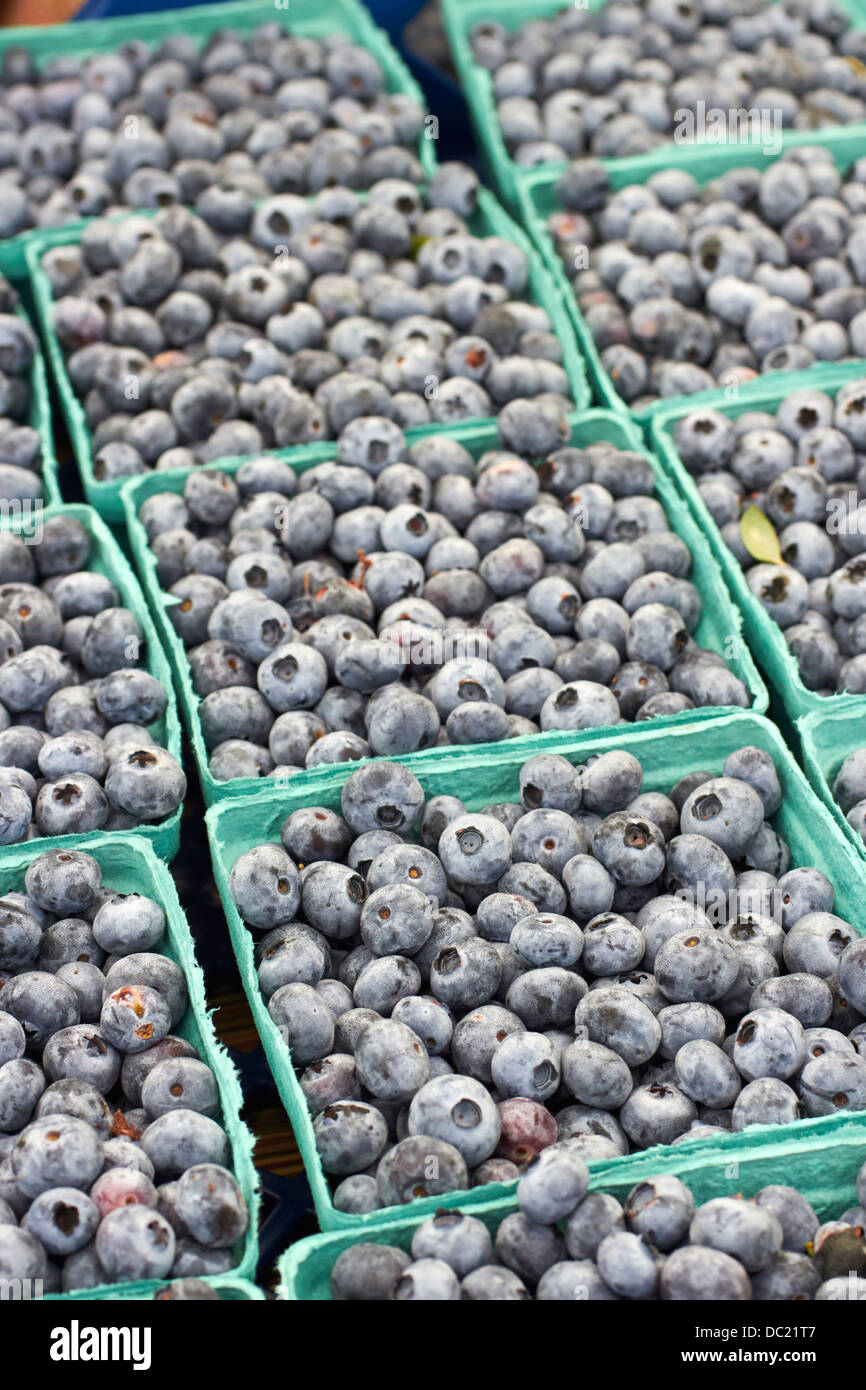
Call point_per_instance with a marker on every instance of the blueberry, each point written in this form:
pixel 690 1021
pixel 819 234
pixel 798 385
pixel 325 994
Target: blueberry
pixel 702 1273
pixel 63 1220
pixel 612 946
pixel 381 797
pixel 656 1114
pixel 852 974
pixel 790 1276
pixel 746 1231
pixel 525 1064
pixel 833 1082
pixel 706 1074
pixel 22 1255
pixel 549 781
pixel 695 965
pixel 21 1085
pixel 57 1151
pixel 331 1079
pixel 428 1280
pixel 544 939
pixel 477 1037
pixel 12 1038
pixel 180 1138
pixel 264 886
pixel 632 850
pixel 816 942
pixel 459 1111
pixel 765 1101
pixel 590 887
pixel 420 1166
pixel 179 1082
pixel 42 1004
pixel 628 1265
pixel 210 1204
pixel 660 1210
pixel 462 1242
pixel 367 1272
pixel 545 997
pixel 80 1051
pixel 350 1135
pixel 391 1060
pixel 135 1242
pixel 157 972
pixel 794 1214
pixel 357 1195
pixel 621 1022
pixel 305 1022
pixel 596 1075
pixel 128 923
pixel 134 1017
pixel 467 975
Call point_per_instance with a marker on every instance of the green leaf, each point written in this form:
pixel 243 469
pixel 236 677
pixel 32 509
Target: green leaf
pixel 759 536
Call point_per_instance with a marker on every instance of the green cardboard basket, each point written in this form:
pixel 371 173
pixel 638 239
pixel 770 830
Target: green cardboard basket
pixel 719 628
pixel 824 1172
pixel 310 18
pixel 763 634
pixel 489 220
pixel 537 198
pixel 826 739
pixel 491 776
pixel 461 16
pixel 130 866
pixel 107 558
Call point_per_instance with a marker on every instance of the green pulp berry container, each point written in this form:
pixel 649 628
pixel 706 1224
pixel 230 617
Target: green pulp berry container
pixel 129 865
pixel 315 19
pixel 763 634
pixel 538 200
pixel 719 628
pixel 483 778
pixel 106 558
pixel 826 739
pixel 39 419
pixel 489 220
pixel 826 1175
pixel 460 18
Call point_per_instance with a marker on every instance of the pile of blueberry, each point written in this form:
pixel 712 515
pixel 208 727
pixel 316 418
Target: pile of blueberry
pixel 849 789
pixel 75 751
pixel 20 446
pixel 804 469
pixel 113 1161
pixel 565 1244
pixel 191 338
pixel 217 126
pixel 593 962
pixel 407 596
pixel 623 79
pixel 687 288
